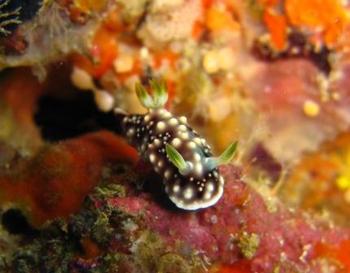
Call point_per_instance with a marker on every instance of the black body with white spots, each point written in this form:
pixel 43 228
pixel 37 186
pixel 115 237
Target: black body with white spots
pixel 201 185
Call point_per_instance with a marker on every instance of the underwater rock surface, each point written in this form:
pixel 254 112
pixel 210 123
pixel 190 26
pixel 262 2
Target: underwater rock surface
pixel 126 223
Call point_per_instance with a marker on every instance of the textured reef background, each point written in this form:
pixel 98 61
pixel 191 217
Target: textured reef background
pixel 272 74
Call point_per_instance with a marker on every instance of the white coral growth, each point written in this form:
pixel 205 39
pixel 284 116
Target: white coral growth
pixel 8 18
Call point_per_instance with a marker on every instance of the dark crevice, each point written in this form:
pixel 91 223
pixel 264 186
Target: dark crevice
pixel 63 118
pixel 16 223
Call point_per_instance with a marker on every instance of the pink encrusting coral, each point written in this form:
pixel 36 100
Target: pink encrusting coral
pixel 242 226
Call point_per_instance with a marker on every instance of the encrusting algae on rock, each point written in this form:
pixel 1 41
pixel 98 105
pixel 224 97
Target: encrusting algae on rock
pixel 248 244
pixel 120 227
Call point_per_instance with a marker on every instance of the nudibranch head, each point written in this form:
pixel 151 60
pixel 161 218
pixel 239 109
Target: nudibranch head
pixel 177 153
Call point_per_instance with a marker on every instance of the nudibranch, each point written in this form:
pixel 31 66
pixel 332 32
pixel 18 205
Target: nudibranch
pixel 176 152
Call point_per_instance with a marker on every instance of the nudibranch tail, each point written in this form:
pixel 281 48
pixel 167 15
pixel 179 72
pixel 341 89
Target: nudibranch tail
pixel 176 151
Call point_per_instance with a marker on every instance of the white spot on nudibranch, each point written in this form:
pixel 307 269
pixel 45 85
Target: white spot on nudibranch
pixel 197 140
pixel 157 142
pixel 173 121
pixel 198 168
pixel 152 158
pixel 210 187
pixel 188 193
pixel 182 127
pixel 176 142
pixel 166 114
pixel 167 174
pixel 184 135
pixel 130 132
pixel 183 119
pixel 176 188
pixel 203 141
pixel 161 111
pixel 191 145
pixel 161 125
pixel 207 195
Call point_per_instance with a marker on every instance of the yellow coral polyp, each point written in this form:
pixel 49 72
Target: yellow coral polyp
pixel 328 16
pixel 343 182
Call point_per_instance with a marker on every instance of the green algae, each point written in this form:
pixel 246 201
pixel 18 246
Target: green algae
pixel 151 254
pixel 51 251
pixel 248 244
pixel 147 250
pixel 171 263
pixel 110 191
pixel 59 243
pixel 102 231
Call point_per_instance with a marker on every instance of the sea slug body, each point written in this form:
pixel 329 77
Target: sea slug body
pixel 177 153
